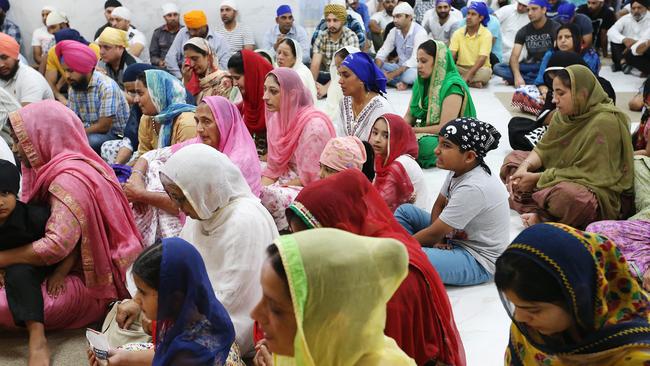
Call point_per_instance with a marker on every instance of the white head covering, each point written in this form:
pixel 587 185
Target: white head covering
pixel 526 2
pixel 229 3
pixel 303 71
pixel 232 234
pixel 169 8
pixel 122 12
pixel 338 2
pixel 56 17
pixel 403 8
pixel 49 8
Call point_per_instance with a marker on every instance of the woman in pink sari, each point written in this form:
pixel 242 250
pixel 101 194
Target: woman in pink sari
pixel 88 208
pixel 218 124
pixel 297 133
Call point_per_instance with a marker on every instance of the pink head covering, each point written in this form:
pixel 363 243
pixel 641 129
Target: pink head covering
pixel 64 165
pixel 342 153
pixel 234 140
pixel 79 57
pixel 9 46
pixel 284 128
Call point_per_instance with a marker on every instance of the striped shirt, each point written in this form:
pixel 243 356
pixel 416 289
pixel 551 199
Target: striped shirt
pixel 237 38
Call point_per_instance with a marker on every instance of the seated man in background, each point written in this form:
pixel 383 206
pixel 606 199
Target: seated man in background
pixel 238 35
pixel 121 19
pixel 471 45
pixel 438 22
pixel 109 5
pixel 512 18
pixel 21 81
pixel 286 27
pixel 163 36
pixel 113 45
pixel 602 18
pixel 41 39
pixel 379 21
pixel 627 31
pixel 6 25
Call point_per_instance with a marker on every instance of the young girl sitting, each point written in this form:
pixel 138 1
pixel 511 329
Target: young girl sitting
pixel 347 152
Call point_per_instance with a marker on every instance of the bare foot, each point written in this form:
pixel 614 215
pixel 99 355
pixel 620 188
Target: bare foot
pixel 530 219
pixel 39 354
pixel 476 84
pixel 401 86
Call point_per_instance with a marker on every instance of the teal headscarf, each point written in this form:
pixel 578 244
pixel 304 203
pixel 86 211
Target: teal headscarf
pixel 168 96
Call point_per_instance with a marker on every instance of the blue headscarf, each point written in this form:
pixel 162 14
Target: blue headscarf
pixel 365 69
pixel 132 71
pixel 192 326
pixel 168 96
pixel 482 10
pixel 4 5
pixel 69 34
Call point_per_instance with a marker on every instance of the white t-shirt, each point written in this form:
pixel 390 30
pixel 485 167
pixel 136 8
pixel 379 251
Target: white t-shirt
pixel 135 37
pixel 41 37
pixel 478 205
pixel 422 197
pixel 431 24
pixel 28 85
pixel 382 18
pixel 238 37
pixel 511 22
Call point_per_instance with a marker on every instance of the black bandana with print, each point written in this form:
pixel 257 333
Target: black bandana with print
pixel 472 135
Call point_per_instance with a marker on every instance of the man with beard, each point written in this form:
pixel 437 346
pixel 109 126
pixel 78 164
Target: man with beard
pixel 625 34
pixel 93 96
pixel 440 21
pixel 353 22
pixel 286 28
pixel 121 19
pixel 512 18
pixel 109 5
pixel 328 43
pixel 196 25
pixel 237 35
pixel 163 36
pixel 24 83
pixel 114 57
pixel 6 25
pixel 379 21
pixel 602 19
pixel 404 39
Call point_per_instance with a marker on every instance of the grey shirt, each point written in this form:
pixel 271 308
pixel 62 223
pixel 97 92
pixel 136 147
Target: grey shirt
pixel 161 40
pixel 478 205
pixel 175 56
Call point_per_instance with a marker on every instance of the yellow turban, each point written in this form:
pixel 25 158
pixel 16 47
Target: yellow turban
pixel 195 19
pixel 339 11
pixel 114 36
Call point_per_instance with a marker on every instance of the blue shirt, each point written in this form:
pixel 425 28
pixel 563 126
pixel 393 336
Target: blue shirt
pixel 297 33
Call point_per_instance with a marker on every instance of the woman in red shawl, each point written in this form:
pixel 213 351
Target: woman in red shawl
pixel 249 70
pixel 399 179
pixel 419 317
pixel 89 214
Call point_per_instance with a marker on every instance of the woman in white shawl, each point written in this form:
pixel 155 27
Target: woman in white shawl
pixel 289 54
pixel 227 224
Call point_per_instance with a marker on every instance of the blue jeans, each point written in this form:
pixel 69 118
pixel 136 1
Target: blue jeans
pixel 528 72
pixel 455 266
pixel 407 77
pixel 97 139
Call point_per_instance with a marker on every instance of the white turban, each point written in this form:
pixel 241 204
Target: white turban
pixel 229 3
pixel 122 12
pixel 170 8
pixel 56 17
pixel 403 8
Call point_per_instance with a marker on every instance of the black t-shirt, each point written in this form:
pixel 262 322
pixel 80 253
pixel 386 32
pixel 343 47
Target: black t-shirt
pixel 537 41
pixel 25 225
pixel 604 19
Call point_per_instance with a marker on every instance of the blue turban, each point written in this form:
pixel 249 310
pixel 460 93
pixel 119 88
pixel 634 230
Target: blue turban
pixel 69 34
pixel 283 9
pixel 365 69
pixel 482 10
pixel 540 3
pixel 132 71
pixel 4 5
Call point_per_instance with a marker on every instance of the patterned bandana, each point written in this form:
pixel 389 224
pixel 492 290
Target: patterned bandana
pixel 472 134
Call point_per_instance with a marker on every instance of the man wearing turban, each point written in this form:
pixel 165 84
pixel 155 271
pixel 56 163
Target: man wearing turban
pixel 24 83
pixel 238 35
pixel 93 96
pixel 163 36
pixel 328 42
pixel 196 25
pixel 121 19
pixel 6 25
pixel 113 45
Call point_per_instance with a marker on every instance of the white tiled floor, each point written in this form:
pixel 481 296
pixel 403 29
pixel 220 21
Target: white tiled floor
pixel 480 317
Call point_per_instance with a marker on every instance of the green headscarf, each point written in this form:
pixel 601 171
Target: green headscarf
pixel 593 147
pixel 428 96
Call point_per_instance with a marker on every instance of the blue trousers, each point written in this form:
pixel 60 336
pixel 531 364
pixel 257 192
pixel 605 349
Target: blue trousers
pixel 528 72
pixel 455 266
pixel 407 77
pixel 97 139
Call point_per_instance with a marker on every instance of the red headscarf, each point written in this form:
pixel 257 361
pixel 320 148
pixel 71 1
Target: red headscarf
pixel 64 165
pixel 391 179
pixel 256 68
pixel 419 316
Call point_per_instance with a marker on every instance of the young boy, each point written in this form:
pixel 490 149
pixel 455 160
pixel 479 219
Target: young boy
pixel 22 224
pixel 468 227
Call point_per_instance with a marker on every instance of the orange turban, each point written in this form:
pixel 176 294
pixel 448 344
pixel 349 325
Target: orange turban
pixel 9 46
pixel 195 19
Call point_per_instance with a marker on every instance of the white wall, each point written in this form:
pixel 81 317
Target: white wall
pixel 88 15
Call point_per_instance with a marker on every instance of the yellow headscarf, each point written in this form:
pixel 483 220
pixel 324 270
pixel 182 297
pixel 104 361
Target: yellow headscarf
pixel 340 284
pixel 195 19
pixel 114 36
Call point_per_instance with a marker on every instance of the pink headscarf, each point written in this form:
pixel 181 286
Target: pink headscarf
pixel 342 153
pixel 77 56
pixel 64 165
pixel 234 140
pixel 284 128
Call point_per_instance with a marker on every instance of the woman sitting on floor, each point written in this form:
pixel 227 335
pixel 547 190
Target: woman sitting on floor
pixel 419 314
pixel 347 152
pixel 398 177
pixel 289 54
pixel 334 92
pixel 297 135
pixel 439 95
pixel 325 302
pixel 227 224
pixel 585 307
pixel 364 86
pixel 579 171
